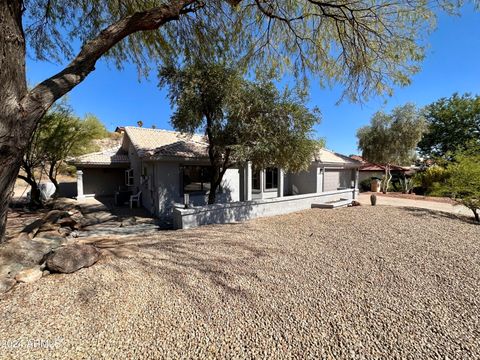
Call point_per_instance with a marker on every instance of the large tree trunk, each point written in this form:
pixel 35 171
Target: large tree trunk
pixel 14 126
pixel 20 110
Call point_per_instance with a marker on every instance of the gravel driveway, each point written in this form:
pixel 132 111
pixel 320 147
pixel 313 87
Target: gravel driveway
pixel 362 282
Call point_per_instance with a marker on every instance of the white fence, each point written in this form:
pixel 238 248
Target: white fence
pixel 245 210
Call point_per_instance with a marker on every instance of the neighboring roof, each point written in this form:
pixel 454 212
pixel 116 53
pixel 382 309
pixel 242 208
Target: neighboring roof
pixel 357 158
pixel 156 143
pixel 106 157
pixel 369 166
pixel 329 157
pixel 379 167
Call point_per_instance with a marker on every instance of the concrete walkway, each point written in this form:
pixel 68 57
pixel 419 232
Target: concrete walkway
pixel 364 199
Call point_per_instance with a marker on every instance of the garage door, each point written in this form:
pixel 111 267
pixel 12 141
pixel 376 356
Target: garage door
pixel 335 179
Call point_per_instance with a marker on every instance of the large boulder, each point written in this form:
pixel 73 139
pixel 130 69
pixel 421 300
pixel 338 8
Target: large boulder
pixel 71 258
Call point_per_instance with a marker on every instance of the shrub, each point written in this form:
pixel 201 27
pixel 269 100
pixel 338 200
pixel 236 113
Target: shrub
pixel 431 179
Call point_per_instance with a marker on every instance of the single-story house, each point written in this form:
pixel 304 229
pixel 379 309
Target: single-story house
pixel 370 170
pixel 165 165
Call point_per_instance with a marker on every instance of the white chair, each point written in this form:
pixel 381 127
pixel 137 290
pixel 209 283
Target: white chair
pixel 135 198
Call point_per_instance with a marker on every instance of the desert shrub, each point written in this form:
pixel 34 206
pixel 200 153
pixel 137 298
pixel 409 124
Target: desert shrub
pixel 429 180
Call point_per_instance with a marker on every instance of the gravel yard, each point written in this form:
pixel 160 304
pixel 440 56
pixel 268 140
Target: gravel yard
pixel 361 282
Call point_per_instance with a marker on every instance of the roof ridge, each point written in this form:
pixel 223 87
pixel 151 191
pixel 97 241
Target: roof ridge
pixel 161 130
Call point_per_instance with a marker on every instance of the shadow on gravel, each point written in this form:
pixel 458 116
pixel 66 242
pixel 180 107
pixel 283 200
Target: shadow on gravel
pixel 187 258
pixel 439 214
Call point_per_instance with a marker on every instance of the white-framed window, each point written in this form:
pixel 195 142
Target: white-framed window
pixel 129 177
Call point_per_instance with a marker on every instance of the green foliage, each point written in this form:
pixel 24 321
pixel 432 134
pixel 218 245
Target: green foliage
pixel 59 135
pixel 463 182
pixel 364 185
pixel 452 123
pixel 392 138
pixel 249 121
pixel 431 179
pixel 367 46
pixel 243 120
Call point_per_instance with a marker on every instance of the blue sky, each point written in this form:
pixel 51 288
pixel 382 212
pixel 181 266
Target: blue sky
pixel 452 65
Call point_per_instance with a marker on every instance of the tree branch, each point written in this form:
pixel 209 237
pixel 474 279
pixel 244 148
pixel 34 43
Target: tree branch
pixel 40 98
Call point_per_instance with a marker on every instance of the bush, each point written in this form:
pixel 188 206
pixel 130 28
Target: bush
pixel 429 180
pixel 463 182
pixel 364 185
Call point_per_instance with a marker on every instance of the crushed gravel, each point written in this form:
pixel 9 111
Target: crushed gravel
pixel 362 282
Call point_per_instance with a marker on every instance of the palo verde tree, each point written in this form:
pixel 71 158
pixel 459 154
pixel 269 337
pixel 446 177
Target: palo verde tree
pixel 59 135
pixel 452 123
pixel 242 120
pixel 392 138
pixel 462 182
pixel 366 46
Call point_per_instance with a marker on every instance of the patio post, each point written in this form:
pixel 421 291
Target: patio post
pixel 320 175
pixel 248 181
pixel 280 182
pixel 357 172
pixel 262 182
pixel 80 194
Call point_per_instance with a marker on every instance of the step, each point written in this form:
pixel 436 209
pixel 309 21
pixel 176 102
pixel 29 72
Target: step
pixel 333 204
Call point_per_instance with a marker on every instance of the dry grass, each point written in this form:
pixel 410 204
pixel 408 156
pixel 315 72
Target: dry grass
pixel 314 284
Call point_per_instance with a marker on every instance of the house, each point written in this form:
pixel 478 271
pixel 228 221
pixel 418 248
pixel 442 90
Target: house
pixel 370 170
pixel 165 165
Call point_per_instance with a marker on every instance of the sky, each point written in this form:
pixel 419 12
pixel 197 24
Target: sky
pixel 452 65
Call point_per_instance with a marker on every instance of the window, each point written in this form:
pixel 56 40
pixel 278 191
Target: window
pixel 271 178
pixel 196 178
pixel 256 180
pixel 129 177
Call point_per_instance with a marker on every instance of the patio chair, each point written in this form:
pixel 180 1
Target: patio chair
pixel 135 198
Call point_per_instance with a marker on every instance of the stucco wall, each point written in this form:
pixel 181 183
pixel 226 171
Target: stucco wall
pixel 240 211
pixel 102 181
pixel 304 182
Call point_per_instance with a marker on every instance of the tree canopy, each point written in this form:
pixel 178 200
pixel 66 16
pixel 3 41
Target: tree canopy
pixel 59 135
pixel 392 138
pixel 463 179
pixel 367 46
pixel 452 123
pixel 243 120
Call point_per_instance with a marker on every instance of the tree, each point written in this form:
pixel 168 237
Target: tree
pixel 452 123
pixel 58 136
pixel 366 46
pixel 463 180
pixel 242 120
pixel 392 138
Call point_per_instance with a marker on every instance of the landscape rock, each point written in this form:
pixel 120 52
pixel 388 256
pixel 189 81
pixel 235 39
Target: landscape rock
pixel 68 222
pixel 128 221
pixel 29 275
pixel 6 284
pixel 10 270
pixel 71 258
pixel 97 218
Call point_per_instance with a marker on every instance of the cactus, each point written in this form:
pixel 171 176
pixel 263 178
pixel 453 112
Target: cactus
pixel 373 199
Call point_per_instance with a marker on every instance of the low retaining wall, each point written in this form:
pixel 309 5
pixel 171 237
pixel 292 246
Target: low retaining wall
pixel 245 210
